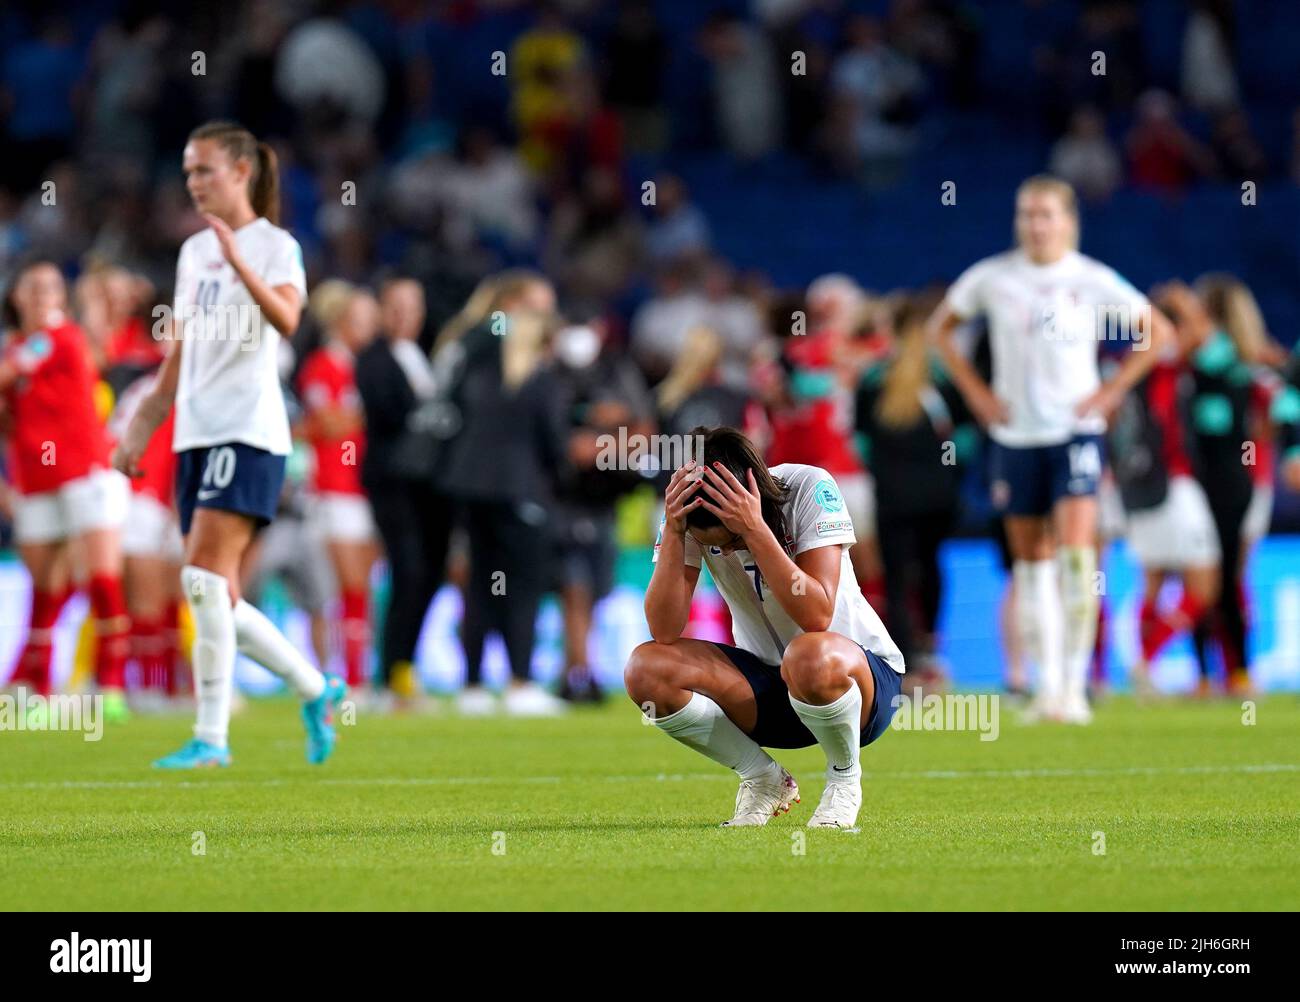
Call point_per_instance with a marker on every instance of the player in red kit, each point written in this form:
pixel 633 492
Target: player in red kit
pixel 67 492
pixel 813 424
pixel 152 552
pixel 112 306
pixel 333 425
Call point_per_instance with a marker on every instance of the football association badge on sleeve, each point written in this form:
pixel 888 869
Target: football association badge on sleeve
pixel 827 496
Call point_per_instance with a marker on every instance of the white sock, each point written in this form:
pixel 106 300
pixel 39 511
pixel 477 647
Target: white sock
pixel 213 653
pixel 1041 618
pixel 260 640
pixel 1080 602
pixel 837 727
pixel 702 725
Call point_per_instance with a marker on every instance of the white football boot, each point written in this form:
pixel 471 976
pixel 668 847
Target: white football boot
pixel 476 701
pixel 531 700
pixel 760 800
pixel 839 805
pixel 1076 710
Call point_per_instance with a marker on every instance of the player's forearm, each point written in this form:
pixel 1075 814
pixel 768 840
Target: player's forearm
pixel 802 596
pixel 1136 364
pixel 963 374
pixel 279 309
pixel 668 596
pixel 335 422
pixel 163 391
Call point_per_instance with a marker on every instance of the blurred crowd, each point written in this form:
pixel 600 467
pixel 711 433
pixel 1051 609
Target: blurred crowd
pixel 493 288
pixel 450 140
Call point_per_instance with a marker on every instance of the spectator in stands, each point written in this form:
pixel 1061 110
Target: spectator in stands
pixel 1239 154
pixel 678 231
pixel 635 59
pixel 1162 155
pixel 38 94
pixel 1209 76
pixel 595 245
pixel 1087 158
pixel 883 89
pixel 540 62
pixel 746 94
pixel 490 193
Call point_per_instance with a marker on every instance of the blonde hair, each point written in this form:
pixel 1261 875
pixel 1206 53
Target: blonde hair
pixel 486 299
pixel 1233 307
pixel 699 355
pixel 474 312
pixel 328 301
pixel 1048 184
pixel 900 404
pixel 523 349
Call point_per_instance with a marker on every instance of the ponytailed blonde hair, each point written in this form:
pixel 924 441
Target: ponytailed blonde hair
pixel 264 181
pixel 699 356
pixel 474 312
pixel 523 347
pixel 900 405
pixel 1233 308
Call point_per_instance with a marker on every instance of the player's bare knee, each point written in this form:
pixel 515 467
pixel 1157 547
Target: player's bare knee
pixel 651 670
pixel 814 668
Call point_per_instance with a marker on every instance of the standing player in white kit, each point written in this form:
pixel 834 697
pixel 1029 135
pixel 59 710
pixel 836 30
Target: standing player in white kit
pixel 1048 307
pixel 240 286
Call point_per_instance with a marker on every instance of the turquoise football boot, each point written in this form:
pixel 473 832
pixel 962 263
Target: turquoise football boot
pixel 195 754
pixel 318 718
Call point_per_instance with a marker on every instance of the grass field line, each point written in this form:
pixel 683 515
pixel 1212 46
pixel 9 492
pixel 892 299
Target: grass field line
pixel 1190 770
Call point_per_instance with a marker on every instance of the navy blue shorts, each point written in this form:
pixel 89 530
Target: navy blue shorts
pixel 779 726
pixel 1029 480
pixel 234 477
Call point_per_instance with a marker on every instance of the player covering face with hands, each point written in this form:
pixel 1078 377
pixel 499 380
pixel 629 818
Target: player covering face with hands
pixel 812 662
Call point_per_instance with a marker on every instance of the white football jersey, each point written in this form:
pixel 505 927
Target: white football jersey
pixel 229 388
pixel 1045 325
pixel 815 515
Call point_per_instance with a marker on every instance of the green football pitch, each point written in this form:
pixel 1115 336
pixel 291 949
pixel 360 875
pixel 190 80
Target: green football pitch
pixel 1172 806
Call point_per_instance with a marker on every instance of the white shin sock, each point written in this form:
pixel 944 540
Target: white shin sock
pixel 702 725
pixel 836 726
pixel 1040 615
pixel 1080 602
pixel 260 640
pixel 213 653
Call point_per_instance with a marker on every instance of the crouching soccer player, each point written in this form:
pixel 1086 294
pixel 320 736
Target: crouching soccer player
pixel 812 664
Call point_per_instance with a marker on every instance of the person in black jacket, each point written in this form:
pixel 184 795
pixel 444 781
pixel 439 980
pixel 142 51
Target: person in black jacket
pixel 414 517
pixel 912 427
pixel 501 469
pixel 606 394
